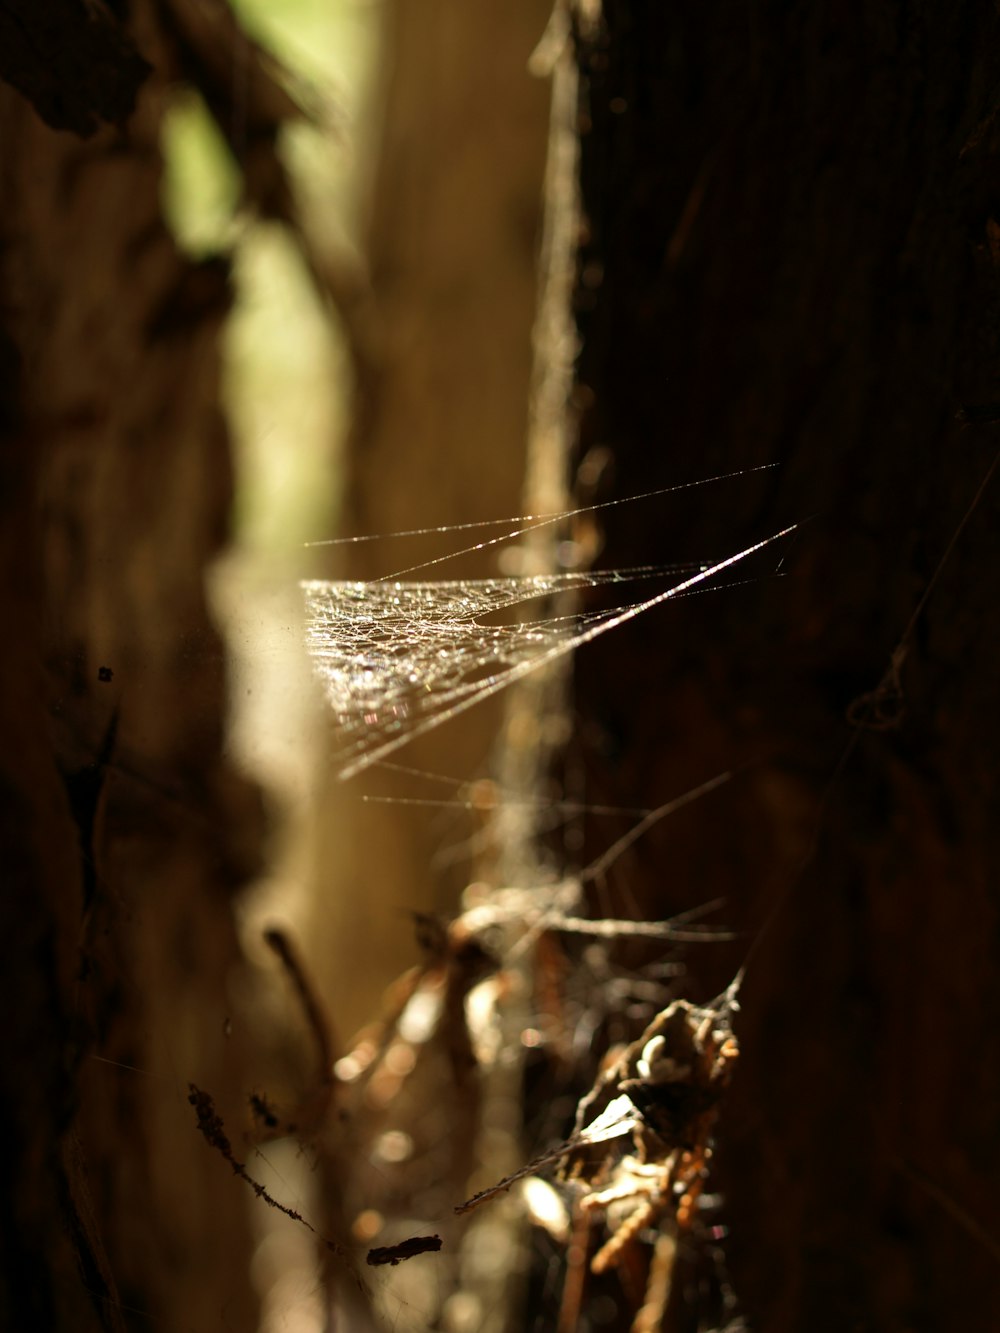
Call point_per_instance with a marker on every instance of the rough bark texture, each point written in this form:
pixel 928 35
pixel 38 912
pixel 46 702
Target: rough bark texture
pixel 791 257
pixel 125 834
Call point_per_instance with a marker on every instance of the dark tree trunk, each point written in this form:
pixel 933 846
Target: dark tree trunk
pixel 791 258
pixel 125 834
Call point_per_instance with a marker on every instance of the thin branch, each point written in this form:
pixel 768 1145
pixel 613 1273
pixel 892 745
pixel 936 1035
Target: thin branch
pixel 213 1131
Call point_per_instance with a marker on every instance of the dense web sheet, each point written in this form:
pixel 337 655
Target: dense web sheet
pixel 397 658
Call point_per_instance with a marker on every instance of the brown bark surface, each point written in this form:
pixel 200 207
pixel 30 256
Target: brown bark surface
pixel 125 833
pixel 74 61
pixel 790 256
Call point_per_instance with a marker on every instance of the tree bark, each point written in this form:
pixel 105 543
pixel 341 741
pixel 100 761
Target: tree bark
pixel 790 258
pixel 125 833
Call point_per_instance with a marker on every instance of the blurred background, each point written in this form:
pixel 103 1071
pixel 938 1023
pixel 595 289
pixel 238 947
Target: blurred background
pixel 375 374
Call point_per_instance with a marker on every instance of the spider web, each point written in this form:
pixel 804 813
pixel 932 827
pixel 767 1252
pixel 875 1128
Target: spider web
pixel 397 658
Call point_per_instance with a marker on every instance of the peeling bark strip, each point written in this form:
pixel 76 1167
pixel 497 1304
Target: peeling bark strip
pixel 73 61
pixel 406 1249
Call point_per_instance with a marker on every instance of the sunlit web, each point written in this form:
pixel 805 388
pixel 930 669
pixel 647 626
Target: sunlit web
pixel 398 658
